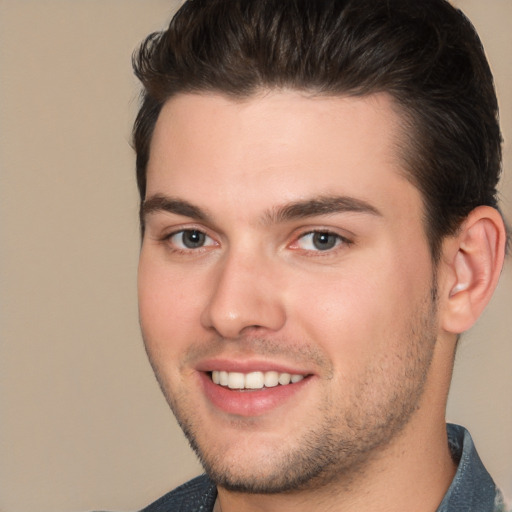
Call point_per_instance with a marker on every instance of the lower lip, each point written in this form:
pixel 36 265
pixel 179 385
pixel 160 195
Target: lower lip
pixel 249 402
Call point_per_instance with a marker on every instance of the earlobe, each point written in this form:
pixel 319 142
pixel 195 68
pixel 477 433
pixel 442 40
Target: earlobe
pixel 475 259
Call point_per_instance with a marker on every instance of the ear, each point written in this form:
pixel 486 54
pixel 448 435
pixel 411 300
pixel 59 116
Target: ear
pixel 474 259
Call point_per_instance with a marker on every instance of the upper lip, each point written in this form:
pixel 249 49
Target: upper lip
pixel 248 366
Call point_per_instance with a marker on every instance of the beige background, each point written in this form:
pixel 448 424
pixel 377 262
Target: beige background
pixel 83 425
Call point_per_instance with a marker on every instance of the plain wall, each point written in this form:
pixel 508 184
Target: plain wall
pixel 83 424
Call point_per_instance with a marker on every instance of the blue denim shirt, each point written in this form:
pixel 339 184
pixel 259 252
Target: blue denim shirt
pixel 472 489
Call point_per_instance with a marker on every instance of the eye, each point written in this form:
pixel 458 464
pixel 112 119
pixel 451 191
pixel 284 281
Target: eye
pixel 187 239
pixel 319 241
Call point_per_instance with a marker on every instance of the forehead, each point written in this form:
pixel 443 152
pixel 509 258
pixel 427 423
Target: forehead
pixel 278 146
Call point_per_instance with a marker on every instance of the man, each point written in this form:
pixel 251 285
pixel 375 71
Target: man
pixel 319 225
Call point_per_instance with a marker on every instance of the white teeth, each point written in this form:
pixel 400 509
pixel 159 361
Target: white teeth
pixel 254 380
pixel 284 378
pixel 236 380
pixel 271 379
pixel 223 378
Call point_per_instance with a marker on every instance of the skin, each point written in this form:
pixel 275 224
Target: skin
pixel 361 319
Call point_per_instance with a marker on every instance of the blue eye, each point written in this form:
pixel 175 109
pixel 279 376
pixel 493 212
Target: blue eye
pixel 319 241
pixel 190 239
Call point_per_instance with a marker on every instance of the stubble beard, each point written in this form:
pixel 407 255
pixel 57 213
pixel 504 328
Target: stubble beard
pixel 343 444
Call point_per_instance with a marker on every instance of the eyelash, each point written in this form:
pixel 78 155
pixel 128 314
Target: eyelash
pixel 187 250
pixel 339 241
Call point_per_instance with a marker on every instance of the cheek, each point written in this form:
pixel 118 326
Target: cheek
pixel 341 315
pixel 358 314
pixel 169 306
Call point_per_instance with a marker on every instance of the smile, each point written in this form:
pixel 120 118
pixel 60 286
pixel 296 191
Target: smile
pixel 248 391
pixel 254 380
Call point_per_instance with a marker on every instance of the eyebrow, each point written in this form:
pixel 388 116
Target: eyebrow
pixel 322 205
pixel 160 203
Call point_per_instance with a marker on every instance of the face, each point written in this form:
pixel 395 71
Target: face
pixel 285 284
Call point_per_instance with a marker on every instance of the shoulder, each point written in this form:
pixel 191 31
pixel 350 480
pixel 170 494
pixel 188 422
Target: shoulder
pixel 198 495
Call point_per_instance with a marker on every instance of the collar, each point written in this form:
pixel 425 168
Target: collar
pixel 472 489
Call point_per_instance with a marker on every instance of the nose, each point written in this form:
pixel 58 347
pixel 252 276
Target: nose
pixel 245 295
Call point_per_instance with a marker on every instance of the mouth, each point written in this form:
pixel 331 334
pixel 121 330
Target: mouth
pixel 256 380
pixel 251 391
